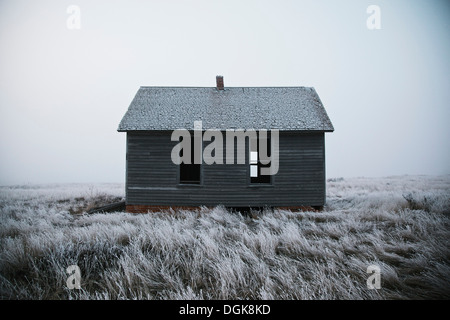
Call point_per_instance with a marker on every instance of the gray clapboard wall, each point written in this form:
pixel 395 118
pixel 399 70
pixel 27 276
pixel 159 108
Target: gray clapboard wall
pixel 152 178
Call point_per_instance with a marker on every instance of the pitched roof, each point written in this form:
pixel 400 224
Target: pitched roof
pixel 170 108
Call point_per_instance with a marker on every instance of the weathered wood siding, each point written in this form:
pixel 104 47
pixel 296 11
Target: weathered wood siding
pixel 152 178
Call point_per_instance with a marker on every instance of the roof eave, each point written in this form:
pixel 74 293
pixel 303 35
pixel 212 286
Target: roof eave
pixel 281 130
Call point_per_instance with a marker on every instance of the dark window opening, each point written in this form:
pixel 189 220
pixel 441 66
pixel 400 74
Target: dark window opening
pixel 190 173
pixel 255 163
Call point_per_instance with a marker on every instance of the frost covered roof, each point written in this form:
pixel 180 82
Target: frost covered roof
pixel 170 108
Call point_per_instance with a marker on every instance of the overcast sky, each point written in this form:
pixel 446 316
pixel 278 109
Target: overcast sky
pixel 63 91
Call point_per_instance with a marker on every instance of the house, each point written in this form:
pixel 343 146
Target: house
pixel 289 124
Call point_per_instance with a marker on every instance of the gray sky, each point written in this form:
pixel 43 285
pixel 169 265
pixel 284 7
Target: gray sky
pixel 63 92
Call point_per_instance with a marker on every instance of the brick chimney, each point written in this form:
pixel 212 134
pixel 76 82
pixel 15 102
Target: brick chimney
pixel 219 82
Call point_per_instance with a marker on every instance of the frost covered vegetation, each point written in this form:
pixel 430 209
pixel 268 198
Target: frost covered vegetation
pixel 400 224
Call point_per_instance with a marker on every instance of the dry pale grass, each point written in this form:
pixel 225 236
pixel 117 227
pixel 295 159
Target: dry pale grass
pixel 400 224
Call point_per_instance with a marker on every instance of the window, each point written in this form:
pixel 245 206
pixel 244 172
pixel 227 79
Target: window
pixel 190 173
pixel 255 162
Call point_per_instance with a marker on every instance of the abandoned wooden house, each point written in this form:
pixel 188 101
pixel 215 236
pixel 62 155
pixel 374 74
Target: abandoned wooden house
pixel 155 181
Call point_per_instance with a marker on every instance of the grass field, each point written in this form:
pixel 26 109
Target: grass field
pixel 401 224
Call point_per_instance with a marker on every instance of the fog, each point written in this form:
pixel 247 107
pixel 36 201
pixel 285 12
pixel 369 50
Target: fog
pixel 66 83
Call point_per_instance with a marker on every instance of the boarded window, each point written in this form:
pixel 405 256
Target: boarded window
pixel 190 173
pixel 255 163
